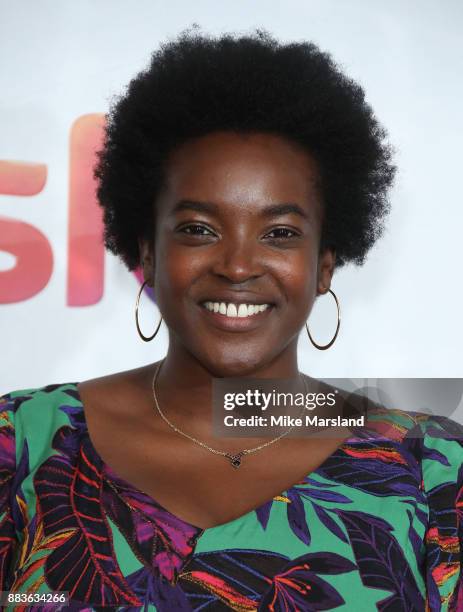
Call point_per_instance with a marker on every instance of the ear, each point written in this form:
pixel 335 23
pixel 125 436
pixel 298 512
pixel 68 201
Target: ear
pixel 326 263
pixel 146 251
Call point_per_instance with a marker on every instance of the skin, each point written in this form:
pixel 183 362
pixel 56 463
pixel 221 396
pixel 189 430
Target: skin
pixel 234 255
pixel 238 248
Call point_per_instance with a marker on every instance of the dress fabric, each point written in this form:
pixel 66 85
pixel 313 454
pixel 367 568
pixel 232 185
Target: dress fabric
pixel 378 526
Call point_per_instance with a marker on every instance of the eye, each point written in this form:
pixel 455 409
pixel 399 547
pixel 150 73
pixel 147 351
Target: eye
pixel 196 229
pixel 281 233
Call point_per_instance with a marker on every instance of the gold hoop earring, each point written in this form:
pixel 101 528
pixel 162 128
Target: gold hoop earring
pixel 323 347
pixel 142 336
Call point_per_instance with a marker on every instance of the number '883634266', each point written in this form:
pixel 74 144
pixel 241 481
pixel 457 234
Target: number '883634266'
pixel 11 599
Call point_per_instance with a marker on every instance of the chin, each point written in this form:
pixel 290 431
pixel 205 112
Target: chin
pixel 234 364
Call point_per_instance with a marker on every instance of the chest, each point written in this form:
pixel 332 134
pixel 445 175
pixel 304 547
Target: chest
pixel 196 485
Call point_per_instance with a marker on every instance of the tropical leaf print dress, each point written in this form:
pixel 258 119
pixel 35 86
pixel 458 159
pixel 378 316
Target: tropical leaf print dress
pixel 378 526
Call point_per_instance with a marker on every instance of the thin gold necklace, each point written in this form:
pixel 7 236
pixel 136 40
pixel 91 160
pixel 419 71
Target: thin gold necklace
pixel 234 459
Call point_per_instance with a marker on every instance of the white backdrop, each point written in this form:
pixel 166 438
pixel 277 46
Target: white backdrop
pixel 401 311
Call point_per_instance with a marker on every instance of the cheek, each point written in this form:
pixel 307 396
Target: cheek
pixel 298 274
pixel 177 270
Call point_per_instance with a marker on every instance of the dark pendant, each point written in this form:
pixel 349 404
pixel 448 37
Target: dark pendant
pixel 235 460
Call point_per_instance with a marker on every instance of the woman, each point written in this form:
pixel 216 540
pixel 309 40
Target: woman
pixel 239 173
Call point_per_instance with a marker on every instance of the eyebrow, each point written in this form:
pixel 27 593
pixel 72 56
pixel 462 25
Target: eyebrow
pixel 274 210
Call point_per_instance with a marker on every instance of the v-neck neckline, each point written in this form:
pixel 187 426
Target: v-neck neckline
pixel 114 478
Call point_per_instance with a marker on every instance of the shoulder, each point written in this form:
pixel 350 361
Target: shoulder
pixel 436 441
pixel 110 395
pixel 38 411
pixel 400 424
pixel 397 423
pixel 117 382
pixel 392 423
pixel 30 419
pixel 19 401
pixel 433 441
pixel 49 398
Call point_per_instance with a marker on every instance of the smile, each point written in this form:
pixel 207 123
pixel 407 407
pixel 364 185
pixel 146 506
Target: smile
pixel 234 311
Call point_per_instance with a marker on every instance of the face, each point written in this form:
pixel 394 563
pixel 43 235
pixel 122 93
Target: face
pixel 236 262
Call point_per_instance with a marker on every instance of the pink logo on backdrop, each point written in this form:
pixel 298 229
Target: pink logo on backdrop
pixel 31 248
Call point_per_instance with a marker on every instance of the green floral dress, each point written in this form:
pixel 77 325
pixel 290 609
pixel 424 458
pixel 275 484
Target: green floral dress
pixel 378 526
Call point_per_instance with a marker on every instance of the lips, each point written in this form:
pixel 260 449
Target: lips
pixel 235 311
pixel 232 309
pixel 241 313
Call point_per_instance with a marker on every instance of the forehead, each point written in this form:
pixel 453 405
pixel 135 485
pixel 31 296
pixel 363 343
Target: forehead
pixel 249 170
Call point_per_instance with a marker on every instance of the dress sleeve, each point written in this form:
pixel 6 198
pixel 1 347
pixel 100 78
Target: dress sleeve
pixel 443 485
pixel 8 536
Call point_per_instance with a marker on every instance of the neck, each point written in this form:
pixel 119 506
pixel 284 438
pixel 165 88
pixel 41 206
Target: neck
pixel 184 384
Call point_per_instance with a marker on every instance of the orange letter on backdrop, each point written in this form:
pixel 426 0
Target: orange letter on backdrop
pixel 85 245
pixel 34 257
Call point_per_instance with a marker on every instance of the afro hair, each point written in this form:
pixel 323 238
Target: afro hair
pixel 198 84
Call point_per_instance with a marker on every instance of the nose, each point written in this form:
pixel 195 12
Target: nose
pixel 238 260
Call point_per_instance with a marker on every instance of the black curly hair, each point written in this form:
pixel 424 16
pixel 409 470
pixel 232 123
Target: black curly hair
pixel 198 84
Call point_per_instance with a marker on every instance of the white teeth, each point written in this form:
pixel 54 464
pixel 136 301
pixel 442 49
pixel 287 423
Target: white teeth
pixel 242 310
pixel 235 310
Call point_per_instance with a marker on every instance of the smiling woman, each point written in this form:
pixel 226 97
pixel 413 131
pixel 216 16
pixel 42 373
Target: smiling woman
pixel 237 223
pixel 240 173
